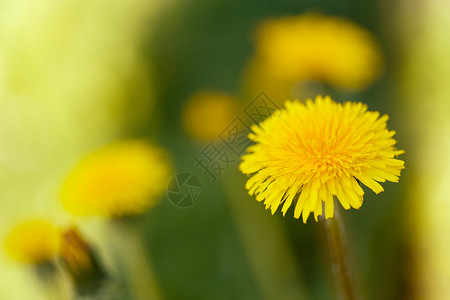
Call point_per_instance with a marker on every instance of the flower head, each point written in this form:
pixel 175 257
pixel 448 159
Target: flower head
pixel 121 179
pixel 312 46
pixel 81 262
pixel 308 153
pixel 207 113
pixel 34 242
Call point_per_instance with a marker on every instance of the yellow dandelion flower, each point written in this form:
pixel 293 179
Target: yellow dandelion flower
pixel 308 153
pixel 34 242
pixel 124 178
pixel 207 113
pixel 312 46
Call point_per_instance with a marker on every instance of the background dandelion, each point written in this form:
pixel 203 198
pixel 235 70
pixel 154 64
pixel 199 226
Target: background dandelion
pixel 207 113
pixel 33 242
pixel 294 54
pixel 122 179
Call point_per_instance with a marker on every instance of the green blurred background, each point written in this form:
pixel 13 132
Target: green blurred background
pixel 76 75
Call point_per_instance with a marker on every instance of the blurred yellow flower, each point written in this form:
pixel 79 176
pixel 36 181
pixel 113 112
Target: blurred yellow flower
pixel 312 46
pixel 124 178
pixel 34 241
pixel 207 113
pixel 312 152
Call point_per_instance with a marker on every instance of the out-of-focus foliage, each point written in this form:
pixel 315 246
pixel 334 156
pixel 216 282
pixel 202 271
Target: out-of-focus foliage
pixel 77 76
pixel 423 85
pixel 73 76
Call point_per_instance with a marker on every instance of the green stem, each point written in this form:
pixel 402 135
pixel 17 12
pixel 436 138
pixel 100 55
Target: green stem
pixel 270 255
pixel 134 261
pixel 340 265
pixel 54 283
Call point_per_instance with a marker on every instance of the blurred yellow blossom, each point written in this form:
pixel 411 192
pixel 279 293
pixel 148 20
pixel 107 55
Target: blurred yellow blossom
pixel 207 113
pixel 35 241
pixel 309 153
pixel 312 46
pixel 123 178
